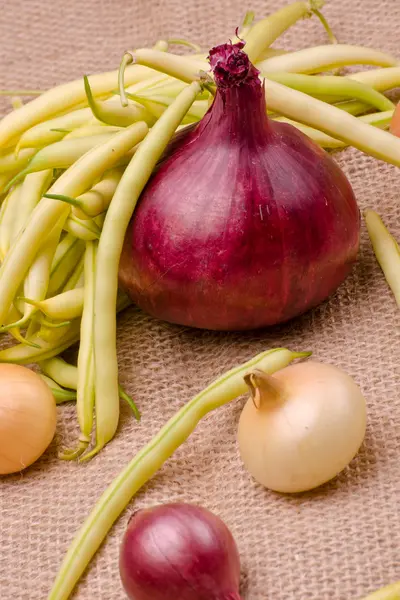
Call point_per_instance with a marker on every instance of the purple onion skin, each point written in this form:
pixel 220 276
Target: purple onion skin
pixel 179 552
pixel 248 223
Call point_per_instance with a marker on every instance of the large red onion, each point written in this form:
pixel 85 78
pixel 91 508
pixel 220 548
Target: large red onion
pixel 179 552
pixel 247 223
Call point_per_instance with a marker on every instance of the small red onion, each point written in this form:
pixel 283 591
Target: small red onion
pixel 247 223
pixel 179 552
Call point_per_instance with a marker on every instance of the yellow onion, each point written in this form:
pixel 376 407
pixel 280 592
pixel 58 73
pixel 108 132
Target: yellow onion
pixel 27 417
pixel 301 426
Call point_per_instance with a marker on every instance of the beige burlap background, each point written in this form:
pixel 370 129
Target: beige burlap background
pixel 336 543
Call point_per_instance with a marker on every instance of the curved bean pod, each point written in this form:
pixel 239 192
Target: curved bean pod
pixel 63 266
pixel 61 155
pixel 63 307
pixel 85 230
pixel 60 395
pixel 156 104
pixel 59 370
pixel 342 87
pixel 77 278
pixel 24 355
pixel 76 180
pixel 91 130
pixel 150 459
pixel 53 130
pixel 85 371
pixel 266 31
pixel 32 189
pixel 379 79
pixel 115 225
pixel 171 64
pixel 116 114
pixel 8 217
pixel 61 98
pixel 97 200
pixel 386 250
pixel 9 163
pixel 333 121
pixel 323 58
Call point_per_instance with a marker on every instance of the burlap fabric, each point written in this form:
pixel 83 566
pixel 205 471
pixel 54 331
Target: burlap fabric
pixel 336 543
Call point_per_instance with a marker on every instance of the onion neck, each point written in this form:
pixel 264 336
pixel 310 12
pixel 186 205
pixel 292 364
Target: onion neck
pixel 238 110
pixel 264 388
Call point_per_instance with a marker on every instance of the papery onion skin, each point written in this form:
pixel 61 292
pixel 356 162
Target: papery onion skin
pixel 308 433
pixel 27 417
pixel 179 551
pixel 247 224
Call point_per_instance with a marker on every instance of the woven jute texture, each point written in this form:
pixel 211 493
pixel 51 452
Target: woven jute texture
pixel 338 542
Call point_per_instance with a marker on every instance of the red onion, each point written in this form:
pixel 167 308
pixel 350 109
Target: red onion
pixel 179 552
pixel 247 223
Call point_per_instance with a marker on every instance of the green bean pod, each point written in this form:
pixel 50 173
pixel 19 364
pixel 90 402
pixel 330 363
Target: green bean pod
pixel 63 154
pixel 16 102
pixel 63 307
pixel 63 247
pixel 77 179
pixel 54 332
pixel 13 329
pixel 60 395
pixel 353 107
pixel 32 329
pixel 161 45
pixel 59 370
pixel 380 119
pixel 10 163
pixel 379 79
pixel 24 355
pixel 113 113
pixel 157 105
pixel 32 189
pixel 247 24
pixel 342 87
pixel 115 225
pixel 37 279
pixel 171 64
pixel 89 130
pixel 76 279
pixel 324 58
pixel 171 87
pixel 62 98
pixel 8 217
pixel 271 52
pixel 150 459
pixel 64 264
pixel 266 31
pixel 5 179
pixel 85 371
pixel 97 200
pixel 53 130
pixel 386 250
pixel 148 84
pixel 333 121
pixel 129 400
pixel 183 42
pixel 85 230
